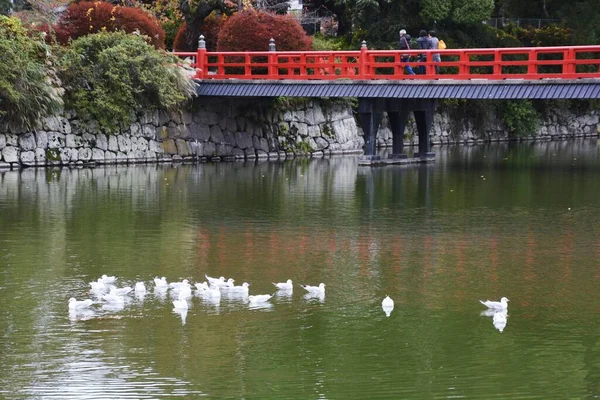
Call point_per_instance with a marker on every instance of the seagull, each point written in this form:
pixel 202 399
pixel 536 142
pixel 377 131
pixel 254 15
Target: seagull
pixel 215 281
pixel 496 305
pixel 185 292
pixel 259 298
pixel 140 287
pixel 77 305
pixel 98 286
pixel 120 291
pixel 181 303
pixel 317 290
pixel 114 299
pixel 387 305
pixel 284 285
pixel 161 283
pixel 179 285
pixel 107 279
pixel 243 289
pixel 202 287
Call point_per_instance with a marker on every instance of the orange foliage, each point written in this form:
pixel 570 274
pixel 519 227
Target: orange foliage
pixel 91 17
pixel 210 29
pixel 251 31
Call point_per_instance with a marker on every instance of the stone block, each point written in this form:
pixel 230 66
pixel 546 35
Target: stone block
pixel 223 149
pixel 135 129
pixel 27 141
pixel 300 128
pixel 314 131
pixel 173 131
pixel 121 157
pixel 101 141
pixel 73 141
pixel 85 154
pixel 260 144
pixel 238 154
pixel 216 134
pixel 183 131
pixel 231 125
pixel 163 118
pixel 199 132
pixel 155 147
pixel 228 138
pixel 169 146
pixel 27 158
pixel 4 165
pixel 97 155
pixel 149 131
pixel 56 124
pixel 142 144
pixel 314 115
pixel 182 147
pixel 113 144
pixel 10 154
pixel 186 117
pixel 40 155
pixel 124 144
pixel 41 139
pixel 210 149
pixel 109 157
pixel 89 140
pixel 243 140
pixel 2 141
pixel 12 139
pixel 65 154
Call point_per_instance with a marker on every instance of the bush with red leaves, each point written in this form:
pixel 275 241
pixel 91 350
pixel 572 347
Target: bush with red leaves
pixel 91 17
pixel 187 39
pixel 251 31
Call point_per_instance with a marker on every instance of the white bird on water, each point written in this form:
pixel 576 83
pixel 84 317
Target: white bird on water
pixel 240 290
pixel 120 291
pixel 108 279
pixel 178 285
pixel 181 303
pixel 287 286
pixel 259 298
pixel 201 286
pixel 316 290
pixel 214 281
pixel 161 282
pixel 140 287
pixel 496 305
pixel 78 305
pixel 387 305
pixel 98 286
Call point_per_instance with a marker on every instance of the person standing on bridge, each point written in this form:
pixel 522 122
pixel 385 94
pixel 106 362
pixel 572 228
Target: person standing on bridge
pixel 424 44
pixel 435 45
pixel 405 45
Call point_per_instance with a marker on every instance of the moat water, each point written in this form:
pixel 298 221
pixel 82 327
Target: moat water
pixel 482 222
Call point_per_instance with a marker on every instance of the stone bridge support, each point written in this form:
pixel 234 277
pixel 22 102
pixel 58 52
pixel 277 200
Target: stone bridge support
pixel 370 111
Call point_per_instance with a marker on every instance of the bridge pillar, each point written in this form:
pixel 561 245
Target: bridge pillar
pixel 369 114
pixel 424 119
pixel 398 117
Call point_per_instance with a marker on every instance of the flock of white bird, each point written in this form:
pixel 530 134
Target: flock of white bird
pixel 104 289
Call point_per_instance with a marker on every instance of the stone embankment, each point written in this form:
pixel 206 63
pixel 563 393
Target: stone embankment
pixel 236 129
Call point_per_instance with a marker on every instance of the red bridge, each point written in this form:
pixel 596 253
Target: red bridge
pixel 381 81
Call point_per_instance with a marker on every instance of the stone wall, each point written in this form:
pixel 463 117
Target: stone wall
pixel 244 129
pixel 213 130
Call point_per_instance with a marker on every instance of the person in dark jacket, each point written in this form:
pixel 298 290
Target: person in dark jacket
pixel 424 43
pixel 405 45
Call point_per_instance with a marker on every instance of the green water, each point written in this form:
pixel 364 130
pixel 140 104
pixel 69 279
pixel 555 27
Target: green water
pixel 482 222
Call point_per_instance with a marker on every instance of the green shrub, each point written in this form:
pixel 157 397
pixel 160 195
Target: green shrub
pixel 110 75
pixel 521 118
pixel 29 89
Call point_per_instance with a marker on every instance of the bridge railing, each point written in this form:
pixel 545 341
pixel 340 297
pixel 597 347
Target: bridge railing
pixel 530 63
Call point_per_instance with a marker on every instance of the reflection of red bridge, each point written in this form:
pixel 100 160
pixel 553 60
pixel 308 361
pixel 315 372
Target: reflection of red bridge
pixel 530 63
pixel 380 80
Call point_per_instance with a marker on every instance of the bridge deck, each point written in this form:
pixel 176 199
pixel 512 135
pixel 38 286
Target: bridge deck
pixel 588 88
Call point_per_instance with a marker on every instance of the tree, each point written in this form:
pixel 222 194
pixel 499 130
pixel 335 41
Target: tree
pixel 462 12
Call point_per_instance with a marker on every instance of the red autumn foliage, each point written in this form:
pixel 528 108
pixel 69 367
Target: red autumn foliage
pixel 188 40
pixel 91 17
pixel 251 31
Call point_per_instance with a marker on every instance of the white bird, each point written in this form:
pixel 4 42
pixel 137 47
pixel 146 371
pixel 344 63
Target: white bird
pixel 500 321
pixel 387 305
pixel 259 298
pixel 107 279
pixel 161 283
pixel 202 287
pixel 213 292
pixel 185 292
pixel 288 286
pixel 496 305
pixel 180 303
pixel 317 290
pixel 243 289
pixel 179 285
pixel 214 281
pixel 120 291
pixel 77 305
pixel 114 299
pixel 140 287
pixel 98 286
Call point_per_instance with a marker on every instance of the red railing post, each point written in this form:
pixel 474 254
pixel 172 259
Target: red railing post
pixel 273 68
pixel 569 60
pixel 362 62
pixel 200 58
pixel 532 66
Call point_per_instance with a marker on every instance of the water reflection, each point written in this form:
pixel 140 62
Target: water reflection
pixel 435 236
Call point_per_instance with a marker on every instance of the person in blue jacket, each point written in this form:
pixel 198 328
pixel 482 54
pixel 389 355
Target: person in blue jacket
pixel 405 45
